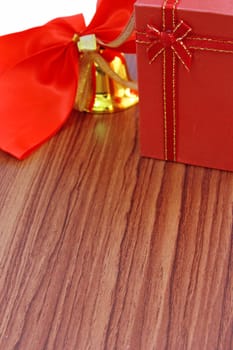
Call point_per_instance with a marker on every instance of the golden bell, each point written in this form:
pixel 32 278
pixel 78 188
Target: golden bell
pixel 108 96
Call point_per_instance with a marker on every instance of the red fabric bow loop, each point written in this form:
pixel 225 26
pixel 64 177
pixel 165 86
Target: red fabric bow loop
pixel 39 71
pixel 158 41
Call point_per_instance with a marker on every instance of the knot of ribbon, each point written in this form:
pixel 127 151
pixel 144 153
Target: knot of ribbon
pixel 157 41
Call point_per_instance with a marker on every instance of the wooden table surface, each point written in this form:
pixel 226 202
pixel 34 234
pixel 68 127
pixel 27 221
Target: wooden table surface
pixel 102 249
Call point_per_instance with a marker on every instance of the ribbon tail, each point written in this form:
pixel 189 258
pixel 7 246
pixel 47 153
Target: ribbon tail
pixel 84 93
pixel 183 54
pixel 154 50
pixel 37 96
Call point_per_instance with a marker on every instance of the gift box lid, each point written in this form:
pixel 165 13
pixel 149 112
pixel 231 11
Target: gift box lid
pixel 213 18
pixel 224 7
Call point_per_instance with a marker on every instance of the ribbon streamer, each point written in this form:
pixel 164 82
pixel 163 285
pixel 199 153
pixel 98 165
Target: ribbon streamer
pixel 40 68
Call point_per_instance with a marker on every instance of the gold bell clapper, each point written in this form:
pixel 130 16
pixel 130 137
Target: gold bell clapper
pixel 104 85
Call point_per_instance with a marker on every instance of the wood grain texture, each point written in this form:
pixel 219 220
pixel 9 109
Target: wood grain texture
pixel 100 249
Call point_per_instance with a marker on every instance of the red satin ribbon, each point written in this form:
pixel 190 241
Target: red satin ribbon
pixel 176 44
pixel 39 74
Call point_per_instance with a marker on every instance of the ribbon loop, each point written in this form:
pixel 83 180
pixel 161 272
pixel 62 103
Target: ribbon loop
pixel 182 30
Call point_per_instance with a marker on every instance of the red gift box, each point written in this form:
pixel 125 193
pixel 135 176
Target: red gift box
pixel 185 73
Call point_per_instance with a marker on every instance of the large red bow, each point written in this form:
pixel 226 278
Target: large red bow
pixel 39 74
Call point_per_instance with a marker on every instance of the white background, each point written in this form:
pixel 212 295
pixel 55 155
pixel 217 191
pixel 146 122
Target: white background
pixel 16 15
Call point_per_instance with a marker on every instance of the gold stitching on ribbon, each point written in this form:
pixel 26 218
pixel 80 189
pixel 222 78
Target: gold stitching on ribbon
pixel 164 86
pixel 185 34
pixel 155 56
pixel 214 40
pixel 153 29
pixel 173 13
pixel 185 47
pixel 141 42
pixel 163 15
pixel 174 102
pixel 174 50
pixel 174 82
pixel 165 105
pixel 209 49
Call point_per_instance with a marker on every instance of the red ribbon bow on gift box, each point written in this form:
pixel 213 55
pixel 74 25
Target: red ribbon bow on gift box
pixel 158 41
pixel 176 42
pixel 39 70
